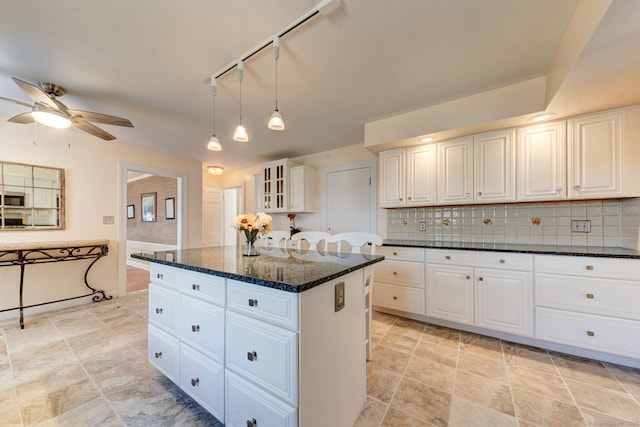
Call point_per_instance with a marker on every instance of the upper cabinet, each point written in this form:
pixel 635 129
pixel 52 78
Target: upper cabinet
pixel 455 171
pixel 542 173
pixel 408 177
pixel 495 162
pixel 287 187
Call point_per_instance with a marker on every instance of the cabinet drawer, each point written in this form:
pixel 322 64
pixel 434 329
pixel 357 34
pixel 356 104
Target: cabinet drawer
pixel 274 306
pixel 164 308
pixel 401 273
pixel 244 403
pixel 401 253
pixel 496 260
pixel 202 326
pixel 163 274
pixel 589 295
pixel 163 353
pixel 203 286
pixel 410 300
pixel 589 266
pixel 265 354
pixel 601 333
pixel 202 379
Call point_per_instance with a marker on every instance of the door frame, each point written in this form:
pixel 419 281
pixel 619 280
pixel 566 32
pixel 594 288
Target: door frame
pixel 181 212
pixel 373 166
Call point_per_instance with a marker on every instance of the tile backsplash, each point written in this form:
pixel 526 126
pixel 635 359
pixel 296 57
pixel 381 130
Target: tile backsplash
pixel 547 223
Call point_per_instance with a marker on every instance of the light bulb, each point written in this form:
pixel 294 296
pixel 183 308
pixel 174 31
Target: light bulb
pixel 52 119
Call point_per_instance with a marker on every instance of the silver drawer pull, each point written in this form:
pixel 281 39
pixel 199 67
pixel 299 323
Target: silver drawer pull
pixel 252 423
pixel 252 356
pixel 395 298
pixel 158 310
pixel 395 253
pixel 160 276
pixel 253 302
pixel 158 355
pixel 502 261
pixel 195 287
pixel 467 277
pixel 447 257
pixel 395 273
pixel 591 334
pixel 195 382
pixel 590 296
pixel 480 279
pixel 195 328
pixel 589 267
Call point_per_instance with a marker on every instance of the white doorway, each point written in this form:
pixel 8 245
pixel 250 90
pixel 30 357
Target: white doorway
pixel 350 198
pixel 212 217
pixel 233 198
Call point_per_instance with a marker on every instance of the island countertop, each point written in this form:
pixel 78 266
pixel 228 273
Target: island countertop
pixel 285 269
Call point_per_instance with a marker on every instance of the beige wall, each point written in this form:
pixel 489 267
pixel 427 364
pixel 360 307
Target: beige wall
pixel 162 230
pixel 92 191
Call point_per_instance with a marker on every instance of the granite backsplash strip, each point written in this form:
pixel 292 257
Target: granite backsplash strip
pixel 547 223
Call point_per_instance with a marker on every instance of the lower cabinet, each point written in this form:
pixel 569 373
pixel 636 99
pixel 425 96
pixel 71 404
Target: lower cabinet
pixel 399 280
pixel 203 380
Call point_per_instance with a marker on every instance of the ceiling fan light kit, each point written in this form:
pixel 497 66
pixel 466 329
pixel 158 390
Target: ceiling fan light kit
pixel 50 118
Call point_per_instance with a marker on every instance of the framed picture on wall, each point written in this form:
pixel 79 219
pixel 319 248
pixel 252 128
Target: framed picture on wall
pixel 149 207
pixel 131 211
pixel 170 208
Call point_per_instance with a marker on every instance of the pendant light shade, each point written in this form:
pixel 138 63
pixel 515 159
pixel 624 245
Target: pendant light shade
pixel 275 121
pixel 214 142
pixel 240 134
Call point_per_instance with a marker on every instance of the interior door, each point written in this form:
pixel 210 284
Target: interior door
pixel 350 199
pixel 212 217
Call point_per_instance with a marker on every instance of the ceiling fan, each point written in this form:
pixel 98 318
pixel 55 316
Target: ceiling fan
pixel 47 110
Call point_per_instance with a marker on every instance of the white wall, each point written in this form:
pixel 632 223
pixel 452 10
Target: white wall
pixel 91 192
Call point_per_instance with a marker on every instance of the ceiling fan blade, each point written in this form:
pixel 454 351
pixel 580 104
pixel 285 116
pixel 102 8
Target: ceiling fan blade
pixel 37 94
pixel 101 118
pixel 15 101
pixel 93 130
pixel 23 118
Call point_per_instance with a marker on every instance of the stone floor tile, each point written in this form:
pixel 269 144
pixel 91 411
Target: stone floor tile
pixel 481 345
pixel 535 381
pixel 603 399
pixel 441 353
pixel 423 402
pixel 432 374
pixel 401 343
pixel 494 394
pixel 534 409
pixel 441 335
pixel 529 357
pixel 388 358
pixel 585 370
pixel 409 328
pixel 96 412
pixel 396 418
pixel 489 368
pixel 465 413
pixel 372 414
pixel 382 383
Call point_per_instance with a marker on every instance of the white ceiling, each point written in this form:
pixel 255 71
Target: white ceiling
pixel 150 61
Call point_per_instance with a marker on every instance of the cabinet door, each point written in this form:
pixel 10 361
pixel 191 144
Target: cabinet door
pixel 455 171
pixel 504 301
pixel 281 186
pixel 267 187
pixel 392 173
pixel 202 379
pixel 542 162
pixel 450 293
pixel 595 155
pixel 421 175
pixel 301 186
pixel 494 158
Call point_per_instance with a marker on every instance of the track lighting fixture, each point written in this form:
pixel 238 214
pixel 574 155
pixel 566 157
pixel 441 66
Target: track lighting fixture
pixel 240 134
pixel 214 142
pixel 276 122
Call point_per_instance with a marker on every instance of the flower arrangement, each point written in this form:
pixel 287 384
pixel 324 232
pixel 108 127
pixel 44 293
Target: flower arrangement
pixel 292 224
pixel 252 224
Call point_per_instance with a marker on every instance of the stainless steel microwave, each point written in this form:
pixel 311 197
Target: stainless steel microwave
pixel 16 199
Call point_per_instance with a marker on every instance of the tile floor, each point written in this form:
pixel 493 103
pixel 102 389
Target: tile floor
pixel 86 366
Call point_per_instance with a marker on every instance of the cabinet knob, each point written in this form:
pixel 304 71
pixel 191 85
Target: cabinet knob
pixel 252 423
pixel 158 355
pixel 160 276
pixel 395 273
pixel 447 257
pixel 590 296
pixel 480 279
pixel 195 287
pixel 467 277
pixel 589 267
pixel 479 193
pixel 253 302
pixel 400 199
pixel 195 328
pixel 158 310
pixel 395 253
pixel 409 197
pixel 195 382
pixel 502 261
pixel 252 356
pixel 591 334
pixel 395 298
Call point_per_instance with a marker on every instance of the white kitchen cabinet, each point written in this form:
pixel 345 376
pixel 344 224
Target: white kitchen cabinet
pixel 542 162
pixel 301 189
pixel 495 167
pixel 203 380
pixel 595 155
pixel 275 186
pixel 163 352
pixel 455 171
pixel 492 290
pixel 399 280
pixel 408 176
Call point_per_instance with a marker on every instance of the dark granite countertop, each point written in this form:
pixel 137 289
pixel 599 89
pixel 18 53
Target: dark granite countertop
pixel 285 269
pixel 606 252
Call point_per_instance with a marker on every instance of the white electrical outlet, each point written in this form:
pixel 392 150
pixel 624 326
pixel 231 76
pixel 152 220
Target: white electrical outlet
pixel 580 226
pixel 422 226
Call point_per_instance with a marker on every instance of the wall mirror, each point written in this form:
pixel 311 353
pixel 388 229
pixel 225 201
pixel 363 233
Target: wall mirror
pixel 31 197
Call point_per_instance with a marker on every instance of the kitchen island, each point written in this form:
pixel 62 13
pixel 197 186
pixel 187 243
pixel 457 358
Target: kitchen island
pixel 273 340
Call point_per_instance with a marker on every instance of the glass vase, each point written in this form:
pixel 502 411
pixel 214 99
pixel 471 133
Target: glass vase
pixel 251 249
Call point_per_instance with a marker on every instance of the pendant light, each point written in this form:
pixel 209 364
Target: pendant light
pixel 276 122
pixel 214 142
pixel 240 134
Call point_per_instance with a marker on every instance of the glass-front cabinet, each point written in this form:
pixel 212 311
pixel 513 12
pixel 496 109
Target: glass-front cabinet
pixel 31 197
